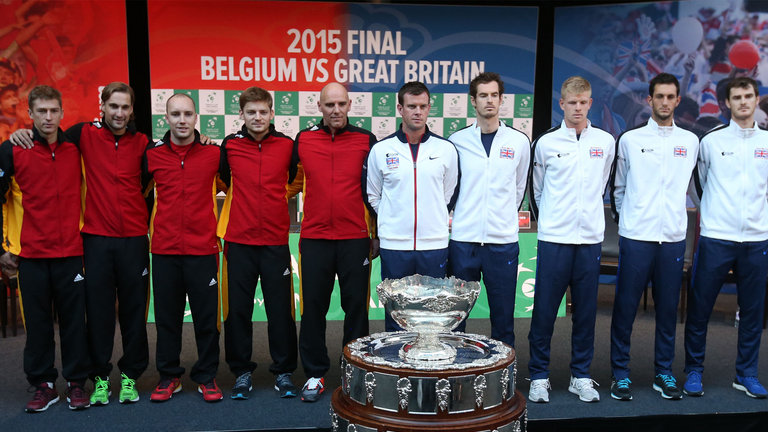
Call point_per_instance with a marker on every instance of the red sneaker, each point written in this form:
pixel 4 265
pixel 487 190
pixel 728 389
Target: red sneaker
pixel 45 396
pixel 165 389
pixel 77 397
pixel 211 392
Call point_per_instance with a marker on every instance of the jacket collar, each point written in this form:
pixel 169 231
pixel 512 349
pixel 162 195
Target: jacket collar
pixel 400 134
pixel 60 137
pixel 167 138
pixel 244 132
pixel 741 132
pixel 662 131
pixel 327 130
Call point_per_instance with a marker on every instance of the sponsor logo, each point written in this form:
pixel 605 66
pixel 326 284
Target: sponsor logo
pixel 287 271
pixel 145 272
pixel 78 278
pixel 212 282
pixel 393 161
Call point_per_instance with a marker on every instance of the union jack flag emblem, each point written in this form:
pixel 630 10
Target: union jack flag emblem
pixel 507 153
pixel 596 153
pixel 681 152
pixel 761 153
pixel 393 161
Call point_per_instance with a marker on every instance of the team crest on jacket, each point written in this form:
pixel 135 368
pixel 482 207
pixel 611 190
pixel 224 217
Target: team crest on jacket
pixel 595 153
pixel 393 161
pixel 761 153
pixel 681 152
pixel 507 153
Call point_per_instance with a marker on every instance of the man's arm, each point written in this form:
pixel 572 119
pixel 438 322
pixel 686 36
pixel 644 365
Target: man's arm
pixel 700 172
pixel 521 174
pixel 618 182
pixel 295 172
pixel 537 178
pixel 374 181
pixel 451 180
pixel 22 138
pixel 8 261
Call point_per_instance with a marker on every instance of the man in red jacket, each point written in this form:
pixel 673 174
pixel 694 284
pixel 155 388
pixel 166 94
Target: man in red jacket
pixel 254 222
pixel 185 250
pixel 41 233
pixel 115 244
pixel 334 232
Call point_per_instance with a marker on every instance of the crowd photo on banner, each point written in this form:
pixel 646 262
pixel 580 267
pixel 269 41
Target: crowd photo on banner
pixel 282 181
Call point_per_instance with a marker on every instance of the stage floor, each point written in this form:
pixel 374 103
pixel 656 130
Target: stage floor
pixel 265 411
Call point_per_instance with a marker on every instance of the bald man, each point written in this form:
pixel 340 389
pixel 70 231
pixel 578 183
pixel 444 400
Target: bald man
pixel 335 236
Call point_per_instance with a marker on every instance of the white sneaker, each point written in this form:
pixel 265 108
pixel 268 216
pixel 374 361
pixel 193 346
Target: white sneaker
pixel 584 388
pixel 539 391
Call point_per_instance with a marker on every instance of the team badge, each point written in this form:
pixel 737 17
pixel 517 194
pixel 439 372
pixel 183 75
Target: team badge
pixel 507 153
pixel 596 153
pixel 761 153
pixel 393 161
pixel 681 152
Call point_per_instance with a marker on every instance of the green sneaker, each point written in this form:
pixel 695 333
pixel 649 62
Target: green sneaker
pixel 128 393
pixel 101 393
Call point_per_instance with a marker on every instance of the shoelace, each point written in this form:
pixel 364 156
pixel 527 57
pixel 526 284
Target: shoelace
pixel 101 385
pixel 127 383
pixel 314 383
pixel 582 383
pixel 536 384
pixel 623 383
pixel 242 381
pixel 668 380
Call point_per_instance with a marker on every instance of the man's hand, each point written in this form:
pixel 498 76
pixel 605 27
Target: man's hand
pixel 374 248
pixel 23 138
pixel 9 263
pixel 205 139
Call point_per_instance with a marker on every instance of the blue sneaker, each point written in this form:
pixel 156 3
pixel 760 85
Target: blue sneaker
pixel 751 386
pixel 693 385
pixel 620 389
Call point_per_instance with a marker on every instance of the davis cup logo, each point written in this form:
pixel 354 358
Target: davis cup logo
pixel 681 152
pixel 761 153
pixel 393 161
pixel 596 153
pixel 507 153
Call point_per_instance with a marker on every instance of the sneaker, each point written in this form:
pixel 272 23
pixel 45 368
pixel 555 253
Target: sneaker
pixel 313 388
pixel 584 388
pixel 77 396
pixel 45 396
pixel 539 391
pixel 128 393
pixel 165 389
pixel 284 386
pixel 693 385
pixel 210 391
pixel 751 386
pixel 667 386
pixel 242 386
pixel 101 392
pixel 620 389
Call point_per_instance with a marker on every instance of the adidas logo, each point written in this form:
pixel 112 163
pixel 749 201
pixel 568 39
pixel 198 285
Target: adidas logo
pixel 287 271
pixel 212 282
pixel 145 272
pixel 366 262
pixel 78 278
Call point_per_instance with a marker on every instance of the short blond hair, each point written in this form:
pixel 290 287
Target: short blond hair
pixel 575 85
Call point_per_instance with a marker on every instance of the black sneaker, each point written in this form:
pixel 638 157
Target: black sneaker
pixel 620 389
pixel 313 388
pixel 284 386
pixel 667 386
pixel 242 387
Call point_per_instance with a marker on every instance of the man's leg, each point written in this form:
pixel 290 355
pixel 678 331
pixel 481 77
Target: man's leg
pixel 317 273
pixel 99 262
pixel 500 277
pixel 169 302
pixel 751 271
pixel 464 263
pixel 242 271
pixel 69 302
pixel 354 269
pixel 584 284
pixel 277 289
pixel 132 265
pixel 395 264
pixel 668 277
pixel 636 260
pixel 36 299
pixel 201 280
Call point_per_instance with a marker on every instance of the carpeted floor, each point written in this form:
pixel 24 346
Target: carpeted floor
pixel 265 411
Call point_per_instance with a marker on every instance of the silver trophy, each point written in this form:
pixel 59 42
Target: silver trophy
pixel 428 307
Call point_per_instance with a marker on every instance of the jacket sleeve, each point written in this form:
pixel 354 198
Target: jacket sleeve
pixel 364 179
pixel 295 172
pixel 609 160
pixel 374 180
pixel 537 178
pixel 618 182
pixel 225 173
pixel 6 171
pixel 451 180
pixel 74 132
pixel 523 166
pixel 700 171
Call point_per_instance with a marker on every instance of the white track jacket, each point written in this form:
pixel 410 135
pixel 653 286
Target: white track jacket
pixel 492 186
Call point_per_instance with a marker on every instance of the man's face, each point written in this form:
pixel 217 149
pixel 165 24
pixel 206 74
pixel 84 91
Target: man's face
pixel 663 102
pixel 117 111
pixel 8 102
pixel 334 103
pixel 742 103
pixel 257 117
pixel 575 107
pixel 414 111
pixel 488 100
pixel 46 114
pixel 181 117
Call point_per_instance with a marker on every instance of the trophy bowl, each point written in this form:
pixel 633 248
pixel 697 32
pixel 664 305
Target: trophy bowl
pixel 428 306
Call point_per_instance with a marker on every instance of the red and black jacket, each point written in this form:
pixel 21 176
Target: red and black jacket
pixel 114 205
pixel 184 216
pixel 41 212
pixel 255 211
pixel 333 170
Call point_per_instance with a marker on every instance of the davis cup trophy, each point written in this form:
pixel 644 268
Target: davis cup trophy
pixel 426 378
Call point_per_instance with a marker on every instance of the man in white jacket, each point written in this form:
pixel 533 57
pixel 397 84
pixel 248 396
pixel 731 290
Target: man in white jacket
pixel 571 166
pixel 732 180
pixel 494 171
pixel 412 177
pixel 651 177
